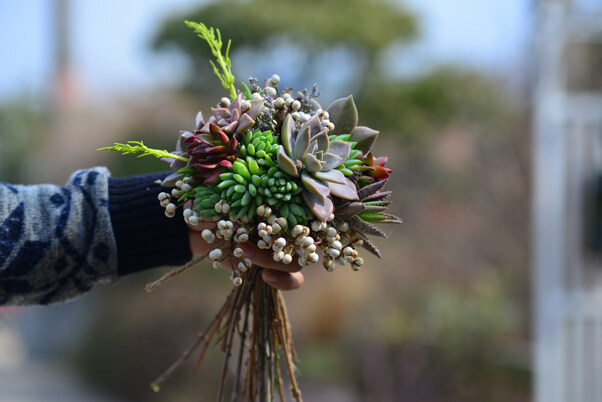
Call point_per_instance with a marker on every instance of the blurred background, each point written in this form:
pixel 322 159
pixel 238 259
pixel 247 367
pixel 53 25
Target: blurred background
pixel 444 316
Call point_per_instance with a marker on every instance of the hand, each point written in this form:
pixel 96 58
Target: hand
pixel 281 276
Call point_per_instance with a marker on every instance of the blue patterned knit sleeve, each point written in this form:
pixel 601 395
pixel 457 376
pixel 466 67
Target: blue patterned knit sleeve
pixel 55 242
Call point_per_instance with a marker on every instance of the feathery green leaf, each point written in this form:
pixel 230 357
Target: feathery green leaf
pixel 134 147
pixel 213 37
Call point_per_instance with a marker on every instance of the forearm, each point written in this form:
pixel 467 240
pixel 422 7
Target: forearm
pixel 58 242
pixel 55 242
pixel 145 237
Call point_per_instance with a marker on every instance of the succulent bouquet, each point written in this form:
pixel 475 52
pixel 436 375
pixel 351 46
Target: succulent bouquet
pixel 270 166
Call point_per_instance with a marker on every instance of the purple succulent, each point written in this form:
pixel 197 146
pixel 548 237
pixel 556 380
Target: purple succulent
pixel 237 117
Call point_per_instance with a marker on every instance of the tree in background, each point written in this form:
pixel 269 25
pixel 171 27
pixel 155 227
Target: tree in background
pixel 356 33
pixel 360 29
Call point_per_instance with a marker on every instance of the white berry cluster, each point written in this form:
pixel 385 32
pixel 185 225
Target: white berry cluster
pixel 217 256
pixel 224 230
pixel 338 244
pixel 287 103
pixel 165 200
pixel 270 237
pixel 333 237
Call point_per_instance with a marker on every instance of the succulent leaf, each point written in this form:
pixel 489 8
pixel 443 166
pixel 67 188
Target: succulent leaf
pixel 346 191
pixel 314 105
pixel 383 196
pixel 286 134
pixel 315 186
pixel 372 215
pixel 364 137
pixel 245 122
pixel 370 246
pixel 170 181
pixel 320 207
pixel 312 164
pixel 350 209
pixel 365 227
pixel 343 114
pixel 321 141
pixel 198 121
pixel 334 176
pixel 257 106
pixel 301 144
pixel 340 149
pixel 285 163
pixel 313 124
pixel 370 189
pixel 332 161
pixel 232 119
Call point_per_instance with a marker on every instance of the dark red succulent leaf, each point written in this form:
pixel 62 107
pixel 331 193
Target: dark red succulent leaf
pixel 214 177
pixel 226 163
pixel 211 153
pixel 373 168
pixel 205 166
pixel 381 161
pixel 193 139
pixel 220 149
pixel 213 129
pixel 223 138
pixel 233 144
pixel 381 173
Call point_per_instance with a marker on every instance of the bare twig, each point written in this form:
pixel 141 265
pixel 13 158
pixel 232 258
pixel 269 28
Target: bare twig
pixel 285 340
pixel 201 337
pixel 243 337
pixel 257 310
pixel 177 271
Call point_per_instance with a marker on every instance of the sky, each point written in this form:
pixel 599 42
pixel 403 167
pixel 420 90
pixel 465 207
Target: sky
pixel 483 34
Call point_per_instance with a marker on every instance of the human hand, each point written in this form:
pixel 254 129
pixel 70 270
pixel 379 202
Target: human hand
pixel 279 275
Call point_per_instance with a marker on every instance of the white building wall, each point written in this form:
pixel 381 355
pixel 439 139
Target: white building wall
pixel 567 149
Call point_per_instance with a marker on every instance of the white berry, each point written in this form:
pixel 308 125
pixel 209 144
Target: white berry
pixel 215 254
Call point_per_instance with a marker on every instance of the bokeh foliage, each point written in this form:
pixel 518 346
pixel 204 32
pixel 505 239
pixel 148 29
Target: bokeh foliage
pixel 362 28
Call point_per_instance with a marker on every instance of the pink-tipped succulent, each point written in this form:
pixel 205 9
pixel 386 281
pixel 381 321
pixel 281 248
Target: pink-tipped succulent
pixel 233 118
pixel 211 154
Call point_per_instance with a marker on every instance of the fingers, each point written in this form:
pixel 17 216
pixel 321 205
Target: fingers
pixel 283 280
pixel 264 258
pixel 202 225
pixel 279 275
pixel 197 244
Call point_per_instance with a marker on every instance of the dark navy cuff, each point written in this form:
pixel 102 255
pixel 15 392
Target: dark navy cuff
pixel 145 237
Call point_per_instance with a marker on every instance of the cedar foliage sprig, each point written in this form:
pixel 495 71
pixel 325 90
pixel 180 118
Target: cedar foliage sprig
pixel 213 37
pixel 134 147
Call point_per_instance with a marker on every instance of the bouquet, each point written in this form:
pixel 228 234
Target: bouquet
pixel 272 167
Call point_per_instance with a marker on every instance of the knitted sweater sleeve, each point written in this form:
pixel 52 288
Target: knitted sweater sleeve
pixel 58 242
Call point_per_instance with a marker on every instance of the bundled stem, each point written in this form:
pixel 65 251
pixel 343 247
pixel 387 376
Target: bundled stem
pixel 254 311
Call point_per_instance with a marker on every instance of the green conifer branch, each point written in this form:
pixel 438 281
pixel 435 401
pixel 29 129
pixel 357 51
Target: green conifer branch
pixel 215 43
pixel 134 147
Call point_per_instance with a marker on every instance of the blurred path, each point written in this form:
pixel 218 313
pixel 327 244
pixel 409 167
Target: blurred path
pixel 32 344
pixel 37 381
